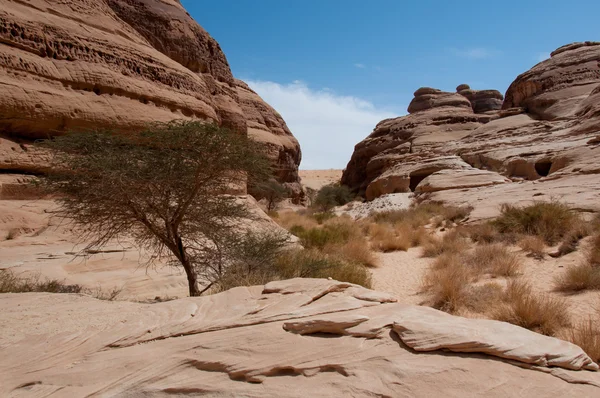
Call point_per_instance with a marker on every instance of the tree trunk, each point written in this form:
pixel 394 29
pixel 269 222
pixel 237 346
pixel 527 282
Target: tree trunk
pixel 192 279
pixel 188 267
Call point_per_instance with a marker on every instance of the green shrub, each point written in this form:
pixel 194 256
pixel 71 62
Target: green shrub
pixel 331 196
pixel 548 220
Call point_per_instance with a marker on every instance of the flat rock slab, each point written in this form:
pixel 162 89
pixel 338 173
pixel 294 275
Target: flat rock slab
pixel 296 338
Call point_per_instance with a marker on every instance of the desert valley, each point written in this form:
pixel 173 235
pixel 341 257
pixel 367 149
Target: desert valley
pixel 457 254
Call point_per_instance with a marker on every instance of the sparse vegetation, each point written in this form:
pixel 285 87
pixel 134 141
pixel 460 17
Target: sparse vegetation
pixel 385 238
pixel 549 220
pixel 586 334
pixel 494 259
pixel 271 191
pixel 534 246
pixel 165 186
pixel 12 283
pixel 584 276
pixel 538 312
pixel 451 242
pixel 331 196
pixel 35 283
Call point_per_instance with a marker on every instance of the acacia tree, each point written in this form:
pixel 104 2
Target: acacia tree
pixel 166 187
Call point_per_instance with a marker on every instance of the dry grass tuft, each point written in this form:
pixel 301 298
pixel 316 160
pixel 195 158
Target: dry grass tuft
pixel 385 238
pixel 291 219
pixel 538 312
pixel 585 276
pixel 549 220
pixel 495 259
pixel 423 214
pixel 12 283
pixel 586 334
pixel 578 278
pixel 484 298
pixel 593 251
pixel 534 246
pixel 355 250
pixel 482 233
pixel 452 242
pixel 447 287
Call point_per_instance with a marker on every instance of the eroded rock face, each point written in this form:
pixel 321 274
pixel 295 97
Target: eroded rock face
pixel 250 340
pixel 554 88
pixel 548 128
pixel 82 64
pixel 435 117
pixel 481 100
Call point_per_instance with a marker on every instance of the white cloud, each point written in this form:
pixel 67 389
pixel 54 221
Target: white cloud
pixel 542 57
pixel 474 53
pixel 327 125
pixel 360 66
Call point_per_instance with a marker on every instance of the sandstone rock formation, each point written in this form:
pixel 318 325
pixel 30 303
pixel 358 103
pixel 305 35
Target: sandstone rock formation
pixel 481 100
pixel 82 64
pixel 548 129
pixel 397 147
pixel 293 338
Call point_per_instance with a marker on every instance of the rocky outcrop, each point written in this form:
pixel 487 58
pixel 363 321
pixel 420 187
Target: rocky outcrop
pixel 295 338
pixel 83 64
pixel 435 117
pixel 481 100
pixel 267 126
pixel 548 129
pixel 555 87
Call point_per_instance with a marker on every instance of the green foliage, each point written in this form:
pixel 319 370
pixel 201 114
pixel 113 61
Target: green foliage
pixel 11 283
pixel 264 258
pixel 165 186
pixel 272 191
pixel 331 196
pixel 319 237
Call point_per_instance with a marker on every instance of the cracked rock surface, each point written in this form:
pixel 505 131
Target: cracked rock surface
pixel 295 338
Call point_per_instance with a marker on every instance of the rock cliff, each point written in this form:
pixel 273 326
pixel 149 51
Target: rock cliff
pixel 82 64
pixel 543 139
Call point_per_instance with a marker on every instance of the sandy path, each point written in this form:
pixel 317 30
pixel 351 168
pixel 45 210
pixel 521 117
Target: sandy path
pixel 400 273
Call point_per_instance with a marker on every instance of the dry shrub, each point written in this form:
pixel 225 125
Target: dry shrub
pixel 549 220
pixel 423 214
pixel 12 283
pixel 571 240
pixel 586 334
pixel 447 287
pixel 385 238
pixel 533 245
pixel 482 233
pixel 291 219
pixel 448 260
pixel 315 264
pixel 593 252
pixel 495 259
pixel 484 298
pixel 585 276
pixel 578 278
pixel 538 312
pixel 355 250
pixel 452 242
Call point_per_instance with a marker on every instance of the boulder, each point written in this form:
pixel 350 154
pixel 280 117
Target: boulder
pixel 428 98
pixel 483 100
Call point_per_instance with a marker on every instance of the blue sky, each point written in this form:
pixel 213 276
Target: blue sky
pixel 334 68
